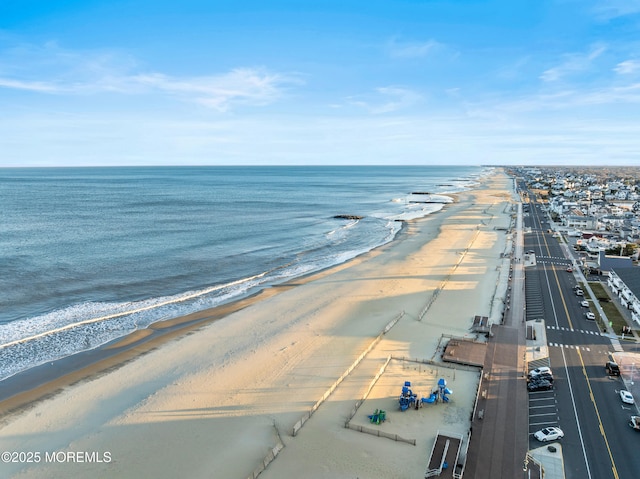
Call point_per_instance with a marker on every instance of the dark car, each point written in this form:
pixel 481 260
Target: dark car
pixel 540 385
pixel 612 368
pixel 545 376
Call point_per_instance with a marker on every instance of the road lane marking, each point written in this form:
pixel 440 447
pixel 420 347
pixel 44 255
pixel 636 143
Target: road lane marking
pixel 584 372
pixel 566 369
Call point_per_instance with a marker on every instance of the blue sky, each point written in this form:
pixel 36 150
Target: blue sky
pixel 151 82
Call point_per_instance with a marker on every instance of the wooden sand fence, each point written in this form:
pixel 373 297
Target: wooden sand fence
pixel 368 430
pixel 444 282
pixel 378 432
pixel 268 458
pixel 297 426
pixel 373 382
pixel 431 362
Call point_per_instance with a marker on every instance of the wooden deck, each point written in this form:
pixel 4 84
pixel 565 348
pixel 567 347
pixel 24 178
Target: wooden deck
pixel 465 351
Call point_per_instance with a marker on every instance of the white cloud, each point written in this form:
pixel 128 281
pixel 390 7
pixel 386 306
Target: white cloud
pixel 627 67
pixel 610 9
pixel 35 86
pixel 619 94
pixel 246 86
pixel 50 69
pixel 576 102
pixel 573 63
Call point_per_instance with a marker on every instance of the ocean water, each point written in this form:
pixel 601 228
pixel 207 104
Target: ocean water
pixel 88 255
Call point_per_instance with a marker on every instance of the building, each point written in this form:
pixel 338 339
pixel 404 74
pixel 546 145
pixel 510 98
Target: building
pixel 608 263
pixel 581 222
pixel 625 283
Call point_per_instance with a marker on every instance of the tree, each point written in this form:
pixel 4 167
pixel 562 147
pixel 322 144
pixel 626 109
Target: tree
pixel 628 250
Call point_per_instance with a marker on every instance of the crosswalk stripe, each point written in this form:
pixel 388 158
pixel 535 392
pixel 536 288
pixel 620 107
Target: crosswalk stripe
pixel 562 328
pixel 570 346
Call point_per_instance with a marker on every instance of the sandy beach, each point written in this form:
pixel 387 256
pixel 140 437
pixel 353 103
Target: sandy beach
pixel 218 400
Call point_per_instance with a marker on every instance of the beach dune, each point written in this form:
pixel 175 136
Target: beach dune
pixel 218 401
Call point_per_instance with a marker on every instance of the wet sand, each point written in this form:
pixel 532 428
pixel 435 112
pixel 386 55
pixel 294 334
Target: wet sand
pixel 212 394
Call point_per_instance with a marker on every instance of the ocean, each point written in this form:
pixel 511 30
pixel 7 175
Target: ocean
pixel 88 255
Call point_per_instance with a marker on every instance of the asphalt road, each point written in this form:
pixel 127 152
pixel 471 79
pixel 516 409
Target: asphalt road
pixel 598 444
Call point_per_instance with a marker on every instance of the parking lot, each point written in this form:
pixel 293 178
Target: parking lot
pixel 543 411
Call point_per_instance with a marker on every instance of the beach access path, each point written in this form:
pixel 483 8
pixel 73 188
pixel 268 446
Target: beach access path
pixel 218 401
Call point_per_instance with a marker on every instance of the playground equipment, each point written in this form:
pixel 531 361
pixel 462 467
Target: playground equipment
pixel 378 416
pixel 407 398
pixel 438 393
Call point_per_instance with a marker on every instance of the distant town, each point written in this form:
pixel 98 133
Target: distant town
pixel 599 206
pixel 596 212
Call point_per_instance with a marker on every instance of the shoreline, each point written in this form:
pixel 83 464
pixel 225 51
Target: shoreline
pixel 24 389
pixel 224 394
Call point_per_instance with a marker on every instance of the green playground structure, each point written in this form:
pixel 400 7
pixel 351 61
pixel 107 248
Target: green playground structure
pixel 378 416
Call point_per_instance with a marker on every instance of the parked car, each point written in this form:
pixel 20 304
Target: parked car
pixel 539 385
pixel 584 303
pixel 626 397
pixel 569 269
pixel 539 371
pixel 590 315
pixel 549 434
pixel 579 292
pixel 547 376
pixel 612 368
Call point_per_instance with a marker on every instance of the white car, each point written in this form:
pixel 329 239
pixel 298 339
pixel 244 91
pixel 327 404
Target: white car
pixel 538 371
pixel 549 434
pixel 626 397
pixel 590 315
pixel 584 304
